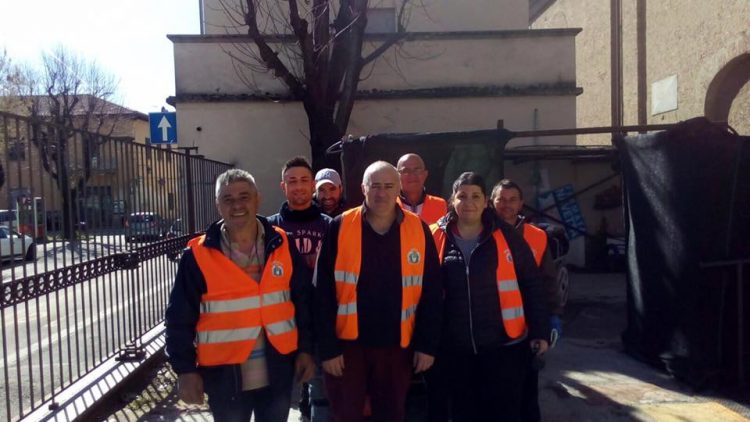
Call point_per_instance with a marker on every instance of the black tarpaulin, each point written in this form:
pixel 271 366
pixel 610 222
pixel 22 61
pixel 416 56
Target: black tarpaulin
pixel 446 155
pixel 687 202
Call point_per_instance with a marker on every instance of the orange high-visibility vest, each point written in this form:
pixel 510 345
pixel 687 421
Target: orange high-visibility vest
pixel 349 262
pixel 433 208
pixel 511 302
pixel 537 240
pixel 236 307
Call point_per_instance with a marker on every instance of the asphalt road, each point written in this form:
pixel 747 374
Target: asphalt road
pixel 57 254
pixel 50 341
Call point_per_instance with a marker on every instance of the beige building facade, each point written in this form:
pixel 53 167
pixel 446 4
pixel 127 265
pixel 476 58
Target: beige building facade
pixel 464 66
pixel 694 58
pixel 126 175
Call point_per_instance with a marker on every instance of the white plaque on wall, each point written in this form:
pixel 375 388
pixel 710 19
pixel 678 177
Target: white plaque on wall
pixel 664 95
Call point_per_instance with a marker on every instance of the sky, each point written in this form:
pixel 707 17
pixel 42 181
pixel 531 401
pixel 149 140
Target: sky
pixel 127 38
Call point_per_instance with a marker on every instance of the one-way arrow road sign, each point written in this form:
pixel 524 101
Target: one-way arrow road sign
pixel 163 127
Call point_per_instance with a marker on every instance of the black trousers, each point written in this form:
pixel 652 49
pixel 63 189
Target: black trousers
pixel 479 387
pixel 530 411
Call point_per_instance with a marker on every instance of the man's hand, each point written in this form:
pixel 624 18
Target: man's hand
pixel 304 367
pixel 190 388
pixel 539 347
pixel 422 362
pixel 334 366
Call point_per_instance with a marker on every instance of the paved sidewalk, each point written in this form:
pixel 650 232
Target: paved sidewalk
pixel 587 377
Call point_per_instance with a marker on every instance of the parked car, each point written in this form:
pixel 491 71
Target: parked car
pixel 16 245
pixel 9 218
pixel 145 227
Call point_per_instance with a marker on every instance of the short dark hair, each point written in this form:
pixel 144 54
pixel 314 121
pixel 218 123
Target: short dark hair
pixel 298 161
pixel 466 178
pixel 505 184
pixel 470 178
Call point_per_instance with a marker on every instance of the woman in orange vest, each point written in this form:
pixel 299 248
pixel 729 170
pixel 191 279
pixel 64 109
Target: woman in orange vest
pixel 494 317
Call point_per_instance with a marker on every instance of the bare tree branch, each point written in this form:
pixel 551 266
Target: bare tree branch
pixel 322 67
pixel 270 58
pixel 398 36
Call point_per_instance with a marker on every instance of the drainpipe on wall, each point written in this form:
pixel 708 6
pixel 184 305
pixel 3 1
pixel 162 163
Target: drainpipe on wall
pixel 615 26
pixel 202 22
pixel 642 69
pixel 536 174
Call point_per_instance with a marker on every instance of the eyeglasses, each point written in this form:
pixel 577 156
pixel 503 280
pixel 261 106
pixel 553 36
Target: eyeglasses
pixel 415 171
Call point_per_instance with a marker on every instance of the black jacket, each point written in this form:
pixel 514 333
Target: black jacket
pixel 378 292
pixel 183 312
pixel 472 320
pixel 549 274
pixel 306 228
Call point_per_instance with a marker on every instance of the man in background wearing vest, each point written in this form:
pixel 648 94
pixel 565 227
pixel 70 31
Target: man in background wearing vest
pixel 378 302
pixel 413 196
pixel 238 323
pixel 507 200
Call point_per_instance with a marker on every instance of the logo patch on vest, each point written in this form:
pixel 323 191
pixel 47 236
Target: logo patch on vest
pixel 277 270
pixel 508 255
pixel 413 257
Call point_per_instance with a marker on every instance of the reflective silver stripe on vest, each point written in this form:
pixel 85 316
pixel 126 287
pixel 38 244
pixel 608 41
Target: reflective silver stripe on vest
pixel 408 312
pixel 512 313
pixel 507 285
pixel 345 277
pixel 347 308
pixel 411 280
pixel 281 327
pixel 230 305
pixel 276 297
pixel 225 336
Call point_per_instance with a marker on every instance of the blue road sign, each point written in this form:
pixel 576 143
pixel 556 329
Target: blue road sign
pixel 163 127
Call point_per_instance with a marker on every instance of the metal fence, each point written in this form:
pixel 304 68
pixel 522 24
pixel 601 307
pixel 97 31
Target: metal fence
pixel 90 230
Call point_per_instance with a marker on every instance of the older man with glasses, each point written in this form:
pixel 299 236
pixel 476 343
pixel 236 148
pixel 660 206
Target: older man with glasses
pixel 413 197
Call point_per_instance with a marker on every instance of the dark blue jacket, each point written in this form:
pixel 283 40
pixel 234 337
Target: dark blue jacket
pixel 472 319
pixel 306 228
pixel 183 312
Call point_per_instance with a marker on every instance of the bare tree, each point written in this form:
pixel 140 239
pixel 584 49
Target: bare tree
pixel 10 83
pixel 69 101
pixel 322 67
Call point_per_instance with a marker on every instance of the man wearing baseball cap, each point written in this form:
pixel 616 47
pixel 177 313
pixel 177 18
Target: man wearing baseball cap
pixel 328 192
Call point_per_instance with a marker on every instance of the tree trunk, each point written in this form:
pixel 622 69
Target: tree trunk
pixel 68 206
pixel 323 134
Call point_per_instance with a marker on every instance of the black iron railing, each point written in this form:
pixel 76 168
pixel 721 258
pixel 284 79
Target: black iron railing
pixel 90 228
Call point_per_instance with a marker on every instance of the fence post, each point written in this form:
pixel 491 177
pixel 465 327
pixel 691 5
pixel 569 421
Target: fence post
pixel 189 186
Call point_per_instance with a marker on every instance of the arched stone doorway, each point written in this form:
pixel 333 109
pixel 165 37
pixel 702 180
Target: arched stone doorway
pixel 728 95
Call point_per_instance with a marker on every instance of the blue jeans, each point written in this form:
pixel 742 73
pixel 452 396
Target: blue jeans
pixel 266 405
